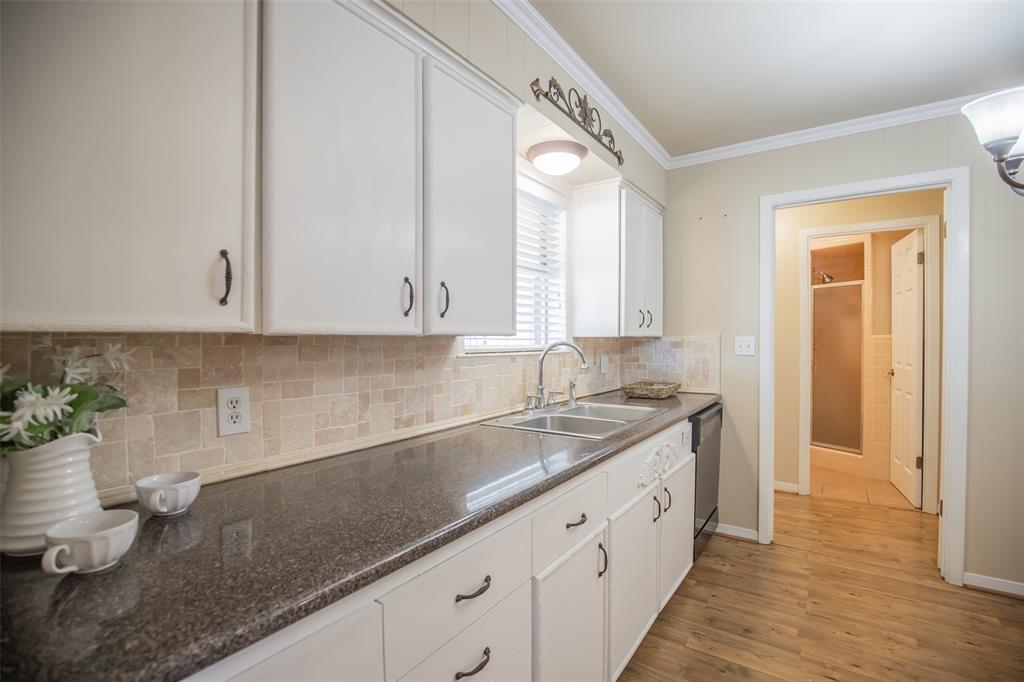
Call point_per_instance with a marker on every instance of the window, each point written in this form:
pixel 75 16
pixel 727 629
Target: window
pixel 541 256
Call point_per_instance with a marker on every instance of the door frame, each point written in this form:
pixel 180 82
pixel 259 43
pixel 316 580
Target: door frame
pixel 955 357
pixel 929 225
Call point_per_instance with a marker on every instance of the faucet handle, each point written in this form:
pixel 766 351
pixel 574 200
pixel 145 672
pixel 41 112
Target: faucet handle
pixel 552 394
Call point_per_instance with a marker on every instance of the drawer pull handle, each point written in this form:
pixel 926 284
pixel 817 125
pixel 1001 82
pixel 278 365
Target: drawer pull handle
pixel 583 519
pixel 642 318
pixel 412 298
pixel 657 502
pixel 480 666
pixel 447 299
pixel 669 505
pixel 650 318
pixel 483 588
pixel 227 277
pixel 604 553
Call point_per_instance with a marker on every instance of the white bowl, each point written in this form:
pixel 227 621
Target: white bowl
pixel 168 494
pixel 89 542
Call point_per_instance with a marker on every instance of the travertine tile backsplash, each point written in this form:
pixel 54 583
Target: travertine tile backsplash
pixel 311 396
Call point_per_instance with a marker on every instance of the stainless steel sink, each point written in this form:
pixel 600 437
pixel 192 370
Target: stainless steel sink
pixel 587 420
pixel 626 413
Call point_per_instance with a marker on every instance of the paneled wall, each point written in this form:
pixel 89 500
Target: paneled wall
pixel 480 32
pixel 713 211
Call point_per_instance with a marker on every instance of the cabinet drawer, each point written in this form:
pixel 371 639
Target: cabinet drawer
pixel 348 649
pixel 423 614
pixel 555 529
pixel 520 669
pixel 639 467
pixel 494 642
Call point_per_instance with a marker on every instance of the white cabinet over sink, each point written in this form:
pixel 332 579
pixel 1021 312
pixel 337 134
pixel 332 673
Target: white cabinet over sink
pixel 389 179
pixel 129 165
pixel 616 261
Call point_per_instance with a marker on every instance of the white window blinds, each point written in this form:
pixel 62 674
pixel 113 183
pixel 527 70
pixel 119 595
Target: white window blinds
pixel 541 254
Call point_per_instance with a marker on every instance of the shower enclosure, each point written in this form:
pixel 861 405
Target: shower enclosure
pixel 837 322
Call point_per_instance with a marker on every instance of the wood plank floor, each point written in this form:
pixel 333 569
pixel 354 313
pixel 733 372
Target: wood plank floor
pixel 849 591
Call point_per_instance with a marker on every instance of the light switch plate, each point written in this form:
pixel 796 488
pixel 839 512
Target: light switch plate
pixel 604 364
pixel 233 414
pixel 745 345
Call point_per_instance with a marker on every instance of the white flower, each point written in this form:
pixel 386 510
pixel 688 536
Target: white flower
pixel 116 357
pixel 14 429
pixel 74 367
pixel 31 406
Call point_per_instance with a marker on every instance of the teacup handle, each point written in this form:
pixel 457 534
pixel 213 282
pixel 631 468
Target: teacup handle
pixel 157 500
pixel 50 560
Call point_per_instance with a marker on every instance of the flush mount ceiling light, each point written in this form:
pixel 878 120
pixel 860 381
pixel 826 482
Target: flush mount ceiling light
pixel 998 121
pixel 557 157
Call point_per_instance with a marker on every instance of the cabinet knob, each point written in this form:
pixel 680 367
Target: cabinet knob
pixel 227 277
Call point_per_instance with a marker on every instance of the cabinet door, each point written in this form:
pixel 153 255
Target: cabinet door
pixel 469 189
pixel 341 141
pixel 128 165
pixel 632 593
pixel 675 529
pixel 633 232
pixel 350 649
pixel 653 287
pixel 569 615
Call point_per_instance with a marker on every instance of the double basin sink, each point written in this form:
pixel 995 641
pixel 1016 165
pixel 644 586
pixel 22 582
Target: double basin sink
pixel 587 420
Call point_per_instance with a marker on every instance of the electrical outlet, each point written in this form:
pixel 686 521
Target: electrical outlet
pixel 233 411
pixel 744 345
pixel 604 363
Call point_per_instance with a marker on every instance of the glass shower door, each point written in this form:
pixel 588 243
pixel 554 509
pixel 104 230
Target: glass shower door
pixel 836 366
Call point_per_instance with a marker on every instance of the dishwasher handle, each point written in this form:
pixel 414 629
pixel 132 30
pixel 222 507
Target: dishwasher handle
pixel 706 423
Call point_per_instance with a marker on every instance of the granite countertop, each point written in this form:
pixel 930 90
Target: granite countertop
pixel 258 553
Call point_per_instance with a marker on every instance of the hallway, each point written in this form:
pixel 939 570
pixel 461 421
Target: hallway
pixel 838 485
pixel 849 591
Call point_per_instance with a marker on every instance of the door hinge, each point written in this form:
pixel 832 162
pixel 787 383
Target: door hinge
pixel 920 257
pixel 920 462
pixel 940 507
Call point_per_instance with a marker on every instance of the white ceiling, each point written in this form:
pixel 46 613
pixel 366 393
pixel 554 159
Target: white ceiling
pixel 700 75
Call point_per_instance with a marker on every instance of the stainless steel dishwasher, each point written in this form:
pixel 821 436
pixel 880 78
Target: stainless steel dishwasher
pixel 707 445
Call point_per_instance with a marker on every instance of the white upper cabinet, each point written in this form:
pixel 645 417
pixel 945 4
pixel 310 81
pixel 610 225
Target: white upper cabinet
pixel 470 194
pixel 616 261
pixel 341 172
pixel 389 179
pixel 128 165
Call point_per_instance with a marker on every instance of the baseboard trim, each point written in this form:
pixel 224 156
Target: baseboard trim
pixel 736 532
pixel 990 584
pixel 783 487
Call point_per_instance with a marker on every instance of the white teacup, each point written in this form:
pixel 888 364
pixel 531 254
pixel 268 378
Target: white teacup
pixel 168 494
pixel 90 542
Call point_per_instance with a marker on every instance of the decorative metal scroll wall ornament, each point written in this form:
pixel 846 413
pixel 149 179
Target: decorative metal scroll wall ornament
pixel 579 110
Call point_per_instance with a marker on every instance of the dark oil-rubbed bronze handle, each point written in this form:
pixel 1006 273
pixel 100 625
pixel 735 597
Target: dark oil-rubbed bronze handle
pixel 227 277
pixel 483 588
pixel 650 318
pixel 642 318
pixel 583 519
pixel 480 666
pixel 604 553
pixel 412 298
pixel 447 299
pixel 669 505
pixel 657 502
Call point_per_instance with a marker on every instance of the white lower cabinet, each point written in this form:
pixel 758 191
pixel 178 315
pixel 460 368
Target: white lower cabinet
pixel 633 540
pixel 675 528
pixel 569 614
pixel 351 649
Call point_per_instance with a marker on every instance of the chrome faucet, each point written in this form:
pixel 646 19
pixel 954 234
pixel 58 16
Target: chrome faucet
pixel 542 400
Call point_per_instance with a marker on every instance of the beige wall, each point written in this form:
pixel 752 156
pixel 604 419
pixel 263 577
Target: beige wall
pixel 711 285
pixel 789 223
pixel 481 33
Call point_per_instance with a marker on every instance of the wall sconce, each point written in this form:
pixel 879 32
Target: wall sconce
pixel 998 121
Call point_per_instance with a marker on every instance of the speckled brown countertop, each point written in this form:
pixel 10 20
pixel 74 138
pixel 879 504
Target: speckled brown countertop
pixel 258 553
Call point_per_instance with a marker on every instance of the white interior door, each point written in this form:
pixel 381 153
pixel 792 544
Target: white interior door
pixel 907 364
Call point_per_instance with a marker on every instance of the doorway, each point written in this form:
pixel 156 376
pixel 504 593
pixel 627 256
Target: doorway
pixel 953 316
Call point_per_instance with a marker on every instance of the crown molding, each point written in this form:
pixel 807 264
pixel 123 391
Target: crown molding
pixel 544 34
pixel 853 126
